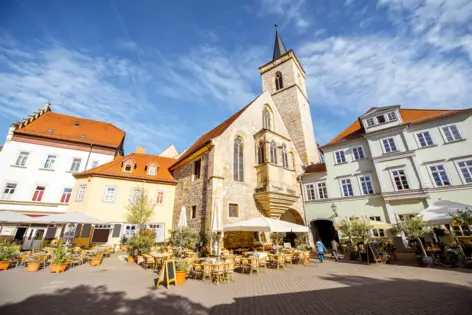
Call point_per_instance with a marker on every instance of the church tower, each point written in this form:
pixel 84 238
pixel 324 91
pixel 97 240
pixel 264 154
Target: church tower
pixel 284 78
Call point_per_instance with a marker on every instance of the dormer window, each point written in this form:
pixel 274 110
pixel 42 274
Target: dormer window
pixel 381 119
pixel 370 122
pixel 392 116
pixel 128 168
pixel 152 171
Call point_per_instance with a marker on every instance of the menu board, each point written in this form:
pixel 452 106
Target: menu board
pixel 167 273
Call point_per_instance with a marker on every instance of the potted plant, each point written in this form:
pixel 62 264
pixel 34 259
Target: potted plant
pixel 181 268
pixel 414 229
pixel 33 264
pixel 59 258
pixel 124 243
pixel 7 252
pixel 360 230
pixel 96 260
pixel 183 238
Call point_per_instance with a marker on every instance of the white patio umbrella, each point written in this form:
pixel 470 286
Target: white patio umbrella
pixel 217 224
pixel 438 213
pixel 264 224
pixel 70 217
pixel 183 218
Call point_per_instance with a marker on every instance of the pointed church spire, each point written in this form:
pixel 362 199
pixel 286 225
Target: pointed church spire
pixel 279 47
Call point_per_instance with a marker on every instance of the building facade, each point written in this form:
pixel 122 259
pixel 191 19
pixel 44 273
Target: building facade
pixel 250 163
pixel 392 162
pixel 105 193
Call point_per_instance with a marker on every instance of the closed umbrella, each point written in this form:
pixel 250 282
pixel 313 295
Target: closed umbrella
pixel 217 224
pixel 183 218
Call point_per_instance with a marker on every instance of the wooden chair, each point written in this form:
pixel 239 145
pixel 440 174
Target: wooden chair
pixel 206 272
pixel 300 257
pixel 229 272
pixel 263 263
pixel 288 259
pixel 253 265
pixel 280 260
pixel 245 264
pixel 218 272
pixel 271 260
pixel 197 271
pixel 149 263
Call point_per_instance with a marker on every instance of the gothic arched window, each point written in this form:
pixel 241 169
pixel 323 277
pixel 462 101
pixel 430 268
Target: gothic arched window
pixel 260 153
pixel 284 156
pixel 273 152
pixel 238 163
pixel 266 118
pixel 279 83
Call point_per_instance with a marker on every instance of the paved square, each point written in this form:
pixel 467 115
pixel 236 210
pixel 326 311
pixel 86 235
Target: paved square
pixel 117 287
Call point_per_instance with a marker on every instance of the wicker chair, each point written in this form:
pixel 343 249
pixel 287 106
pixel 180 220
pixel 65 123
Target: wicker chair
pixel 218 272
pixel 280 261
pixel 197 271
pixel 237 262
pixel 229 272
pixel 288 259
pixel 300 258
pixel 263 263
pixel 253 265
pixel 206 272
pixel 245 264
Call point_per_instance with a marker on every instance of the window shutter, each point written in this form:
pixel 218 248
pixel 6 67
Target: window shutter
pixel 86 230
pixel 116 230
pixel 51 232
pixel 77 230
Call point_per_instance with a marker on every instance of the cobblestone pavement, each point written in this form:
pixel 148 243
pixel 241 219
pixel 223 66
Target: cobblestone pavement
pixel 117 287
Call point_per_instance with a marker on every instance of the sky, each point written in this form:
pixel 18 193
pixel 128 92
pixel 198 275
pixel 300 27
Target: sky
pixel 168 71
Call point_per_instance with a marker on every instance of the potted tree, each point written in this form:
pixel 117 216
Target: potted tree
pixel 59 258
pixel 33 264
pixel 414 228
pixel 361 232
pixel 124 243
pixel 181 268
pixel 345 227
pixel 183 238
pixel 7 253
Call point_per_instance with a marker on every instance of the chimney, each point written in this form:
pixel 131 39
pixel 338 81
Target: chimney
pixel 141 150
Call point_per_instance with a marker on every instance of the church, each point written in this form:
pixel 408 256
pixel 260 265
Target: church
pixel 250 163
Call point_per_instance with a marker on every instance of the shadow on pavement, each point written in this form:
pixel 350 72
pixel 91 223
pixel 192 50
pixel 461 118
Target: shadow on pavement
pixel 359 295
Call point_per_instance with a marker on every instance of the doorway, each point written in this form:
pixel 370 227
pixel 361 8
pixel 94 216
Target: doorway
pixel 33 238
pixel 20 233
pixel 324 231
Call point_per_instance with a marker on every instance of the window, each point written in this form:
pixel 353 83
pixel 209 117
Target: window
pixel 370 122
pixel 346 187
pixel 260 153
pixel 381 119
pixel 233 210
pixel 49 164
pixel 424 139
pixel 401 182
pixel 39 193
pixel 9 191
pixel 66 193
pixel 439 175
pixel 152 171
pixel 196 169
pixel 466 170
pixel 358 153
pixel 22 159
pixel 340 157
pixel 366 185
pixel 284 156
pixel 160 198
pixel 375 218
pixel 266 118
pixel 194 212
pixel 95 163
pixel 451 133
pixel 128 167
pixel 75 165
pixel 310 192
pixel 279 84
pixel 130 230
pixel 322 192
pixel 135 195
pixel 110 193
pixel 273 152
pixel 389 145
pixel 392 116
pixel 238 160
pixel 81 193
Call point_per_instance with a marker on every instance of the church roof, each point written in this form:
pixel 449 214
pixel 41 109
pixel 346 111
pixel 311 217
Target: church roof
pixel 215 132
pixel 409 116
pixel 279 47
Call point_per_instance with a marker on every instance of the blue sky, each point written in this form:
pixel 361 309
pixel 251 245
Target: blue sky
pixel 168 71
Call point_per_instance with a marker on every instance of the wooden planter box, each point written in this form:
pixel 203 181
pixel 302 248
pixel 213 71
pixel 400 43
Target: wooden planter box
pixel 57 268
pixel 4 265
pixel 32 267
pixel 95 262
pixel 130 259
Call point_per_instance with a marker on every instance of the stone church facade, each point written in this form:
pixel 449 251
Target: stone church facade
pixel 251 161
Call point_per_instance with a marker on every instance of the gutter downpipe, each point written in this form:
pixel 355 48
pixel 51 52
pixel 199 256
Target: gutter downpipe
pixel 88 157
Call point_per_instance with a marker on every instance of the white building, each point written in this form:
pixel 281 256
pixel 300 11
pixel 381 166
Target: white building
pixel 41 153
pixel 389 163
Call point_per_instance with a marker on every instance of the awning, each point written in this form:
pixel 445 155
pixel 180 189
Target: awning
pixel 264 224
pixel 439 212
pixel 13 217
pixel 71 217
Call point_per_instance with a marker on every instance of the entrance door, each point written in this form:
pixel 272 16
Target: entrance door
pixel 324 231
pixel 38 238
pixel 34 237
pixel 159 230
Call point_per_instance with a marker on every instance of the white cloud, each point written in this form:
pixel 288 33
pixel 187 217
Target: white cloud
pixel 289 11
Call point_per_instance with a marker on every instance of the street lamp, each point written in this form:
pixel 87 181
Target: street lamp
pixel 334 207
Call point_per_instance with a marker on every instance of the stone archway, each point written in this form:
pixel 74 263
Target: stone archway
pixel 292 216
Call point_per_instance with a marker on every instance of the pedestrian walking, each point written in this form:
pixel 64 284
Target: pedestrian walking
pixel 334 249
pixel 320 250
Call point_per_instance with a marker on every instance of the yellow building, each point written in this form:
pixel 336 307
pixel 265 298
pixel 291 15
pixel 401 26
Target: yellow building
pixel 106 191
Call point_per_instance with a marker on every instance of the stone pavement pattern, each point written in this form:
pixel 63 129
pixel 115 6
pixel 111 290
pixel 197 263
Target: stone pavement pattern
pixel 117 287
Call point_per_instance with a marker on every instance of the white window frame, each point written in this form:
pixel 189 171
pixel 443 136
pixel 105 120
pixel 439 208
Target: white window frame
pixel 42 196
pixel 444 135
pixel 442 181
pixel 130 168
pixel 152 173
pixel 384 117
pixel 75 169
pixel 81 193
pixel 393 179
pixel 134 194
pixel 308 196
pixel 394 143
pixel 336 159
pixel 341 187
pixel 388 117
pixel 418 139
pixel 51 162
pixel 95 162
pixel 317 190
pixel 105 194
pixel 374 122
pixel 25 161
pixel 363 152
pixel 9 195
pixel 460 171
pixel 70 193
pixel 163 197
pixel 130 229
pixel 360 184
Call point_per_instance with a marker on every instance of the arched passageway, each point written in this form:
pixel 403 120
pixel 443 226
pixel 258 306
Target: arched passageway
pixel 291 216
pixel 324 230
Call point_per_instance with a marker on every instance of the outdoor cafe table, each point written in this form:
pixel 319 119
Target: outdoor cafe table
pixel 160 255
pixel 256 254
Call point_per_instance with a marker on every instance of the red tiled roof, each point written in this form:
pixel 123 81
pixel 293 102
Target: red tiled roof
pixel 409 116
pixel 315 168
pixel 115 168
pixel 70 128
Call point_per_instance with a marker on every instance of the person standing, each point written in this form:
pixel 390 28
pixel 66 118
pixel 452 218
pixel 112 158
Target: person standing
pixel 334 248
pixel 320 250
